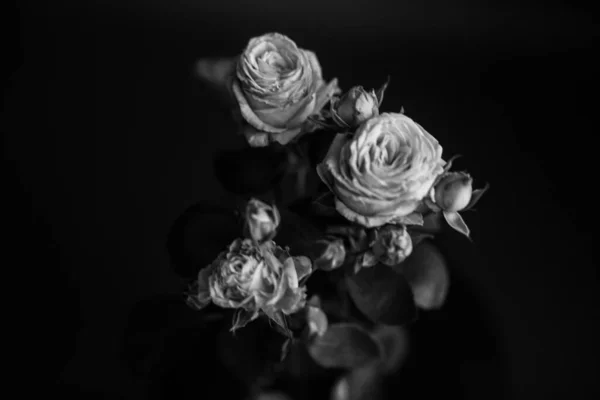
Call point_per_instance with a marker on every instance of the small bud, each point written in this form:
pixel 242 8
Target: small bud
pixel 393 245
pixel 262 220
pixel 332 254
pixel 453 192
pixel 316 320
pixel 356 106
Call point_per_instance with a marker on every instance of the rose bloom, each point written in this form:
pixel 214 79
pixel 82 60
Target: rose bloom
pixel 382 173
pixel 278 86
pixel 246 277
pixel 393 245
pixel 262 220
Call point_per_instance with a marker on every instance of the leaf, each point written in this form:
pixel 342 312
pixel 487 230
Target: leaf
pixel 343 345
pixel 363 383
pixel 456 221
pixel 394 346
pixel 280 324
pixel 251 352
pixel 199 235
pixel 418 237
pixel 272 395
pixel 477 195
pixel 427 274
pixel 382 295
pixel 241 318
pixel 381 91
pixel 285 348
pixel 411 219
pixel 356 238
pixel 218 73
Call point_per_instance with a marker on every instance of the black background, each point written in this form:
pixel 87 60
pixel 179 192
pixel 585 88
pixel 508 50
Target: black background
pixel 108 138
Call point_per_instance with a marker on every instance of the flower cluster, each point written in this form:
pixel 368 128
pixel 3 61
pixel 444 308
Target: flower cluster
pixel 388 187
pixel 253 275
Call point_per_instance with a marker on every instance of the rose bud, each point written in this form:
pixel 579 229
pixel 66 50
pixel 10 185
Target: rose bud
pixel 332 254
pixel 453 192
pixel 393 245
pixel 356 106
pixel 262 220
pixel 316 320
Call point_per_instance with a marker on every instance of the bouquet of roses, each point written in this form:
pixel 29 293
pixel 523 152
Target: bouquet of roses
pixel 340 271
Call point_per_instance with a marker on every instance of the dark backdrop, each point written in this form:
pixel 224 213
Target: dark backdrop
pixel 108 138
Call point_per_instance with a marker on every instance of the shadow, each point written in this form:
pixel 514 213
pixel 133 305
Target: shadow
pixel 199 235
pixel 251 171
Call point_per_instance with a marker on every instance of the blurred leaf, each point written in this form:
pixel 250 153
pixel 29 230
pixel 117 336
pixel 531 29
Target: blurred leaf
pixel 418 237
pixel 218 73
pixel 300 365
pixel 252 352
pixel 428 276
pixel 272 395
pixel 251 171
pixel 356 238
pixel 343 345
pixel 394 345
pixel 199 235
pixel 299 233
pixel 152 323
pixel 363 383
pixel 316 320
pixel 432 224
pixel 382 295
pixel 286 347
pixel 316 145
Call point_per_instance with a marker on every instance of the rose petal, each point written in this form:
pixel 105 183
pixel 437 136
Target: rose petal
pixel 249 114
pixel 373 221
pixel 303 112
pixel 284 138
pixel 199 296
pixel 255 138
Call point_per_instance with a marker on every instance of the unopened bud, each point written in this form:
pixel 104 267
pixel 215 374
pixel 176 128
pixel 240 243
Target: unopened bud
pixel 453 192
pixel 262 220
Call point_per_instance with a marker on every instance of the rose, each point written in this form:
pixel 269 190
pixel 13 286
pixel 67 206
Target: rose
pixel 453 191
pixel 253 279
pixel 393 245
pixel 262 220
pixel 277 87
pixel 382 173
pixel 354 107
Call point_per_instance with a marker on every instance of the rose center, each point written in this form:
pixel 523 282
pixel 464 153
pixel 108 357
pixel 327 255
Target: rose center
pixel 272 62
